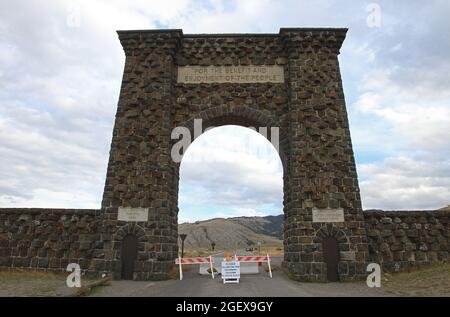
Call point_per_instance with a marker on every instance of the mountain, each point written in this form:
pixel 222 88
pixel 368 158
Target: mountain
pixel 240 231
pixel 231 232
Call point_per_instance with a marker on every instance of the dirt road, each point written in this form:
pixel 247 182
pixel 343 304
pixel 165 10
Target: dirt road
pixel 194 285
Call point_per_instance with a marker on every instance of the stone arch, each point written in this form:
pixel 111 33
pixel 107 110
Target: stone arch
pixel 131 228
pixel 330 230
pixel 243 116
pixel 306 102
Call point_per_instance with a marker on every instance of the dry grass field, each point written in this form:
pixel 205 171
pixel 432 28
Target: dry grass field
pixel 41 284
pixel 433 280
pixel 203 252
pixel 16 283
pixel 272 251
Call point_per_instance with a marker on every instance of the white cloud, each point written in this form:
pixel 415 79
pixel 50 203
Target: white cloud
pixel 232 166
pixel 241 212
pixel 407 184
pixel 409 97
pixel 60 85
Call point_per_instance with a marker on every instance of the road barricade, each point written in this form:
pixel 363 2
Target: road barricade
pixel 255 258
pixel 183 261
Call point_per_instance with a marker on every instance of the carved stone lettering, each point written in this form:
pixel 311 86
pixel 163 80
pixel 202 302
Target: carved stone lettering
pixel 230 74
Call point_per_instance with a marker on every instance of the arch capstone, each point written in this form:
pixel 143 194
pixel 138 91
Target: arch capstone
pixel 290 80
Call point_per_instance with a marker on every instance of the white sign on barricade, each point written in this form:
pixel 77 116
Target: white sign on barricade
pixel 231 272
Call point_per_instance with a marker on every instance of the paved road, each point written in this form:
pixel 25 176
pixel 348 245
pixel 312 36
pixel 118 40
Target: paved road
pixel 194 285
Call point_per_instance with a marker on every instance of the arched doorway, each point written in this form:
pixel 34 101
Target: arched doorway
pixel 129 255
pixel 330 249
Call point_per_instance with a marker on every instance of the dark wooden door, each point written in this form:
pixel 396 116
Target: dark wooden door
pixel 129 255
pixel 331 258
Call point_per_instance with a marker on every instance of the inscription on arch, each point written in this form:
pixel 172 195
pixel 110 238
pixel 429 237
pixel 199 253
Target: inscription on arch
pixel 230 74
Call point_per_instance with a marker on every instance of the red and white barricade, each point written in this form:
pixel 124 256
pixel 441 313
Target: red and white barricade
pixel 240 258
pixel 254 258
pixel 183 261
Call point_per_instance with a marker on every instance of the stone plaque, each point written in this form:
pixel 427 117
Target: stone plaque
pixel 328 215
pixel 132 214
pixel 230 74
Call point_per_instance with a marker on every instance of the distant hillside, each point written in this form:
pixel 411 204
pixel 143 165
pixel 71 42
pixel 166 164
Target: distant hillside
pixel 242 231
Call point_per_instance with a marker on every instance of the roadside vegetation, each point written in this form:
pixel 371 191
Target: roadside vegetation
pixel 433 280
pixel 204 252
pixel 21 283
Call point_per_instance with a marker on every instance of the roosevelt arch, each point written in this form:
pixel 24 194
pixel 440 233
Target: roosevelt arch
pixel 306 102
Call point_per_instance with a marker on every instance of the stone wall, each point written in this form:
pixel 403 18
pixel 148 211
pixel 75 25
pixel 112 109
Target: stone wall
pixel 49 239
pixel 402 239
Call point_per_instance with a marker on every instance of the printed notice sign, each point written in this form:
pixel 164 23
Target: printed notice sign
pixel 230 74
pixel 132 214
pixel 328 215
pixel 231 270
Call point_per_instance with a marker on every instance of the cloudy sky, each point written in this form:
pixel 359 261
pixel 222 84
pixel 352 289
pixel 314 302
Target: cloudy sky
pixel 60 71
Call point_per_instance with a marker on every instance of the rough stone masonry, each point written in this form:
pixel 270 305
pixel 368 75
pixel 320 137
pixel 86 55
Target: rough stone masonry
pixel 290 80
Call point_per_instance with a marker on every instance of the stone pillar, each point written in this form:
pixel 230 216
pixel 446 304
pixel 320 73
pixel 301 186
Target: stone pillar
pixel 321 168
pixel 140 170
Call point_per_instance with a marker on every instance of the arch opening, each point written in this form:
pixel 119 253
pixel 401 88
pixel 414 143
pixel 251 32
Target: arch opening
pixel 233 172
pixel 241 116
